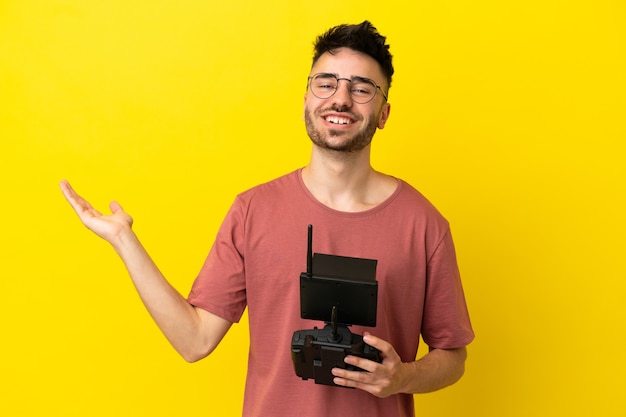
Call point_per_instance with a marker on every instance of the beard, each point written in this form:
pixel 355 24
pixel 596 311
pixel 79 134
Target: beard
pixel 349 145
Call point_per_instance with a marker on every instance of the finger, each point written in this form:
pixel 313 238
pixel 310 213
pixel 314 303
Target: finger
pixel 115 207
pixel 359 380
pixel 387 352
pixel 66 188
pixel 350 378
pixel 376 342
pixel 372 388
pixel 344 382
pixel 79 204
pixel 69 193
pixel 365 364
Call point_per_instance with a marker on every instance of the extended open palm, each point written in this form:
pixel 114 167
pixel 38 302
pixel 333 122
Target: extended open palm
pixel 108 227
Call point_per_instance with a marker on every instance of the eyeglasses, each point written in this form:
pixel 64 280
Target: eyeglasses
pixel 362 90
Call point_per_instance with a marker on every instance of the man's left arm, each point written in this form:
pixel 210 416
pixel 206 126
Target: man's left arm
pixel 435 370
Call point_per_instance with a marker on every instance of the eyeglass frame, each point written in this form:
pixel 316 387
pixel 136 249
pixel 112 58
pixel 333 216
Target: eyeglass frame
pixel 349 80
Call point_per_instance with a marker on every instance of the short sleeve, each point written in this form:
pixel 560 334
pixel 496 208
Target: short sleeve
pixel 446 323
pixel 220 285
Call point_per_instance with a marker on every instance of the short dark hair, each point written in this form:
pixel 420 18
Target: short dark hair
pixel 363 37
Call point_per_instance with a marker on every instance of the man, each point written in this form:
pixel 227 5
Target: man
pixel 260 249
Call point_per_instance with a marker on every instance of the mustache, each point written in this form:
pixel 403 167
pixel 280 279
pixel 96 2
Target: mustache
pixel 338 109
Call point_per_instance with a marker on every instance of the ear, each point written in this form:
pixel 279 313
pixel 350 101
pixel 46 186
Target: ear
pixel 384 115
pixel 304 107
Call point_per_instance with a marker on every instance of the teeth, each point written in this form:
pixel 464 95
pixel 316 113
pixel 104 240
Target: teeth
pixel 338 120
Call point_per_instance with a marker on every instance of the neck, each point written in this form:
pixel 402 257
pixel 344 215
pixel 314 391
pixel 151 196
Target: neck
pixel 346 182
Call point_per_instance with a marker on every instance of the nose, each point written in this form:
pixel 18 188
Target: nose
pixel 342 96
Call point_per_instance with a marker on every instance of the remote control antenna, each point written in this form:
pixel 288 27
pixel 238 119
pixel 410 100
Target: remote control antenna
pixel 309 254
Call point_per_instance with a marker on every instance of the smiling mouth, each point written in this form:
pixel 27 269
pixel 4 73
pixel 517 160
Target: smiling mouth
pixel 338 120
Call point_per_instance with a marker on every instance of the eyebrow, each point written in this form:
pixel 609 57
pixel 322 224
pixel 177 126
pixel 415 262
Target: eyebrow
pixel 353 78
pixel 326 75
pixel 364 79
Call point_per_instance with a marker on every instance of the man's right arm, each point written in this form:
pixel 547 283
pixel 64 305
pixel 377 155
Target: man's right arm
pixel 192 331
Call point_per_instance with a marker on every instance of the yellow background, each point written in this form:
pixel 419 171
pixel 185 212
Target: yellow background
pixel 508 115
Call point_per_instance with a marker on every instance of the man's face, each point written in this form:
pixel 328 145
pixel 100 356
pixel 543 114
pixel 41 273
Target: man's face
pixel 338 123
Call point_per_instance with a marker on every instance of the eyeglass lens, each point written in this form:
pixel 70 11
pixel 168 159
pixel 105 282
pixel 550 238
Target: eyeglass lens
pixel 361 90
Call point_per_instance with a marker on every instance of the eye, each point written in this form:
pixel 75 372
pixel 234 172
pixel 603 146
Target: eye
pixel 362 89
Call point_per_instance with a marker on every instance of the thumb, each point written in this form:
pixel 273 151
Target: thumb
pixel 115 207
